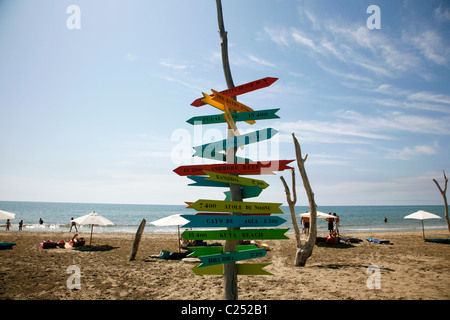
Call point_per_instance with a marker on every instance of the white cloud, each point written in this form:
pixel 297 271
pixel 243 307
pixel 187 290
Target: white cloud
pixel 430 97
pixel 260 61
pixel 176 66
pixel 432 46
pixel 279 36
pixel 303 40
pixel 407 153
pixel 351 127
pixel 130 57
pixel 442 14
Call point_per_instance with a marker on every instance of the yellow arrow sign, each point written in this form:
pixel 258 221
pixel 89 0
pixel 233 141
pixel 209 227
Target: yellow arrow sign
pixel 242 269
pixel 228 178
pixel 233 104
pixel 213 103
pixel 219 105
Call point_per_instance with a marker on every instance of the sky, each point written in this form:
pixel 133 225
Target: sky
pixel 94 97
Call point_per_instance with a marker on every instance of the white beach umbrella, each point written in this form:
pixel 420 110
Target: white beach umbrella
pixel 173 220
pixel 6 215
pixel 319 215
pixel 93 218
pixel 422 215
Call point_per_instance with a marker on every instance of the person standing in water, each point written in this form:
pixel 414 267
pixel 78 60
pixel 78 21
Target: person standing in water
pixel 73 224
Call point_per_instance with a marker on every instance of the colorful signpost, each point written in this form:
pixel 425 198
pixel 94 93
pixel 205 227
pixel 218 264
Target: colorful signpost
pixel 242 220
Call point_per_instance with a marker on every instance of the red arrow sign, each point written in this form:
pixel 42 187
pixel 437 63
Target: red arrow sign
pixel 258 167
pixel 243 88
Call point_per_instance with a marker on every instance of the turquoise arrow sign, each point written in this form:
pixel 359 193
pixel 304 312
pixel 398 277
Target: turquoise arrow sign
pixel 237 116
pixel 231 257
pixel 247 192
pixel 207 150
pixel 200 181
pixel 209 221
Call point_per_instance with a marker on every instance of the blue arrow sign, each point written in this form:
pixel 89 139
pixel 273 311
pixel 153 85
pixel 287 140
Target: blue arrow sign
pixel 209 149
pixel 231 257
pixel 209 221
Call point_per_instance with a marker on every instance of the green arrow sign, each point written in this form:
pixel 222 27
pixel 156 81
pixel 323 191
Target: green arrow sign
pixel 237 116
pixel 204 251
pixel 231 257
pixel 236 206
pixel 230 221
pixel 243 234
pixel 228 178
pixel 242 269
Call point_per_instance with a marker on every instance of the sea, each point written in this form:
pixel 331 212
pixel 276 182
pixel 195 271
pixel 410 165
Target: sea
pixel 127 217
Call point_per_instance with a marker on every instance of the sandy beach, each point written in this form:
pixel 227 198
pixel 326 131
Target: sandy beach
pixel 408 269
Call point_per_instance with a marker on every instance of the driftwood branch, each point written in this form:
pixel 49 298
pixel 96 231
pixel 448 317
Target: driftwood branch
pixel 291 203
pixel 303 251
pixel 444 196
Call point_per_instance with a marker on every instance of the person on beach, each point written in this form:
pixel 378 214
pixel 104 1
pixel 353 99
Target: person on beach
pixel 184 243
pixel 330 224
pixel 73 224
pixel 305 221
pixel 20 225
pixel 41 221
pixel 8 224
pixel 336 224
pixel 385 220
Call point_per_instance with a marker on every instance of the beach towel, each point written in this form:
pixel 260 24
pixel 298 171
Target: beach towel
pixel 379 241
pixel 163 254
pixel 351 240
pixel 6 245
pixel 446 241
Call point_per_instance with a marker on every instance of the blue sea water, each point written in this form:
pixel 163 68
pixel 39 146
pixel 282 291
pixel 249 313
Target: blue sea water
pixel 127 217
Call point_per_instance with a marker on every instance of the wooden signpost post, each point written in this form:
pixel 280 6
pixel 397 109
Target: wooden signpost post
pixel 242 220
